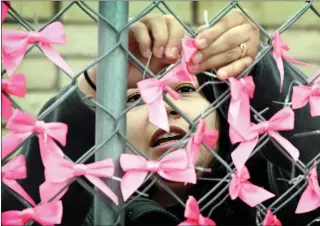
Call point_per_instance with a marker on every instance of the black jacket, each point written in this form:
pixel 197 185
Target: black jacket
pixel 265 168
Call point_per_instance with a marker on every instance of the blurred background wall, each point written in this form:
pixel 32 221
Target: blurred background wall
pixel 44 79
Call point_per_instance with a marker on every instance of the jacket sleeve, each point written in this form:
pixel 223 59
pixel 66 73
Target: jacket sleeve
pixel 80 138
pixel 267 80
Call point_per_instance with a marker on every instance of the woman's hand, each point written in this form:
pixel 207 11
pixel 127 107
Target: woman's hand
pixel 220 46
pixel 157 34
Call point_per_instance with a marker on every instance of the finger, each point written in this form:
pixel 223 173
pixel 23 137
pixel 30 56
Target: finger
pixel 217 61
pixel 229 40
pixel 176 33
pixel 235 68
pixel 139 33
pixel 201 28
pixel 206 37
pixel 159 32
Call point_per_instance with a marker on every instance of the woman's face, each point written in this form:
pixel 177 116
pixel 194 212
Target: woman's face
pixel 152 141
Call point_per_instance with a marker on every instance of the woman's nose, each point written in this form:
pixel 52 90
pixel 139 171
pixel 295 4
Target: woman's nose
pixel 172 113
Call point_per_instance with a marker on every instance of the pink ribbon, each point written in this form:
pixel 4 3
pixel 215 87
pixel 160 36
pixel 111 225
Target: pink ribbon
pixel 283 120
pixel 239 109
pixel 278 47
pixel 189 48
pixel 209 137
pixel 301 95
pixel 151 90
pixel 15 44
pixel 45 214
pixel 271 220
pixel 193 215
pixel 13 170
pixel 15 85
pixel 172 167
pixel 310 198
pixel 22 125
pixel 4 10
pixel 249 193
pixel 59 172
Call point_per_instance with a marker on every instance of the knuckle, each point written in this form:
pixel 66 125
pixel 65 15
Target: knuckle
pixel 229 55
pixel 230 42
pixel 161 41
pixel 136 26
pixel 169 17
pixel 238 15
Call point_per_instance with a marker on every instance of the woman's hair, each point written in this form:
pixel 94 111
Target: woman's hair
pixel 210 92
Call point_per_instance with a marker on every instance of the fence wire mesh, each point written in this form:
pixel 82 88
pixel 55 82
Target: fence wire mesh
pixel 111 111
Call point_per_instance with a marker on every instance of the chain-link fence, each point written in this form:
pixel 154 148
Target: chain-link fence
pixel 111 110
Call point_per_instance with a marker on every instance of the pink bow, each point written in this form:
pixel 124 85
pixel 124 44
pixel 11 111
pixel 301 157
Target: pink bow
pixel 209 137
pixel 172 167
pixel 15 44
pixel 4 10
pixel 310 198
pixel 246 191
pixel 303 94
pixel 271 220
pixel 45 214
pixel 13 170
pixel 193 215
pixel 283 120
pixel 15 85
pixel 278 47
pixel 239 108
pixel 151 90
pixel 22 125
pixel 59 172
pixel 181 70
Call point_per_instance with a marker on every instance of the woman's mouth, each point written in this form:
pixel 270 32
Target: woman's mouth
pixel 163 141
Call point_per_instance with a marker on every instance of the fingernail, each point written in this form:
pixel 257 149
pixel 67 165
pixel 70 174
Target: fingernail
pixel 173 52
pixel 160 52
pixel 222 75
pixel 201 43
pixel 197 58
pixel 193 68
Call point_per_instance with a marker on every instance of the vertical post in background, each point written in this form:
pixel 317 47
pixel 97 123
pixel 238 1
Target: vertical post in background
pixel 111 93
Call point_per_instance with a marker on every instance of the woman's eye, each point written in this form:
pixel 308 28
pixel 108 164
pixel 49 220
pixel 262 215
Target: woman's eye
pixel 133 97
pixel 186 88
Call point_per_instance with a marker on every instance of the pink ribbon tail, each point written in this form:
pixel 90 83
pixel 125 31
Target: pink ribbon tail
pixel 315 106
pixel 4 10
pixel 103 187
pixel 158 115
pixel 130 182
pixel 48 149
pixel 55 57
pixel 6 107
pixel 47 190
pixel 292 150
pixel 288 58
pixel 309 201
pixel 253 195
pixel 280 67
pixel 15 186
pixel 10 142
pixel 242 153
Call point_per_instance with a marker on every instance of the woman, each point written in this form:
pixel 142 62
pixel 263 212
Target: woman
pixel 218 49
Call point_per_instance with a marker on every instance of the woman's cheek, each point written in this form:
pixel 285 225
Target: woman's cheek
pixel 137 124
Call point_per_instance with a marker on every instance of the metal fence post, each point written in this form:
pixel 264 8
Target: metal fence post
pixel 111 93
